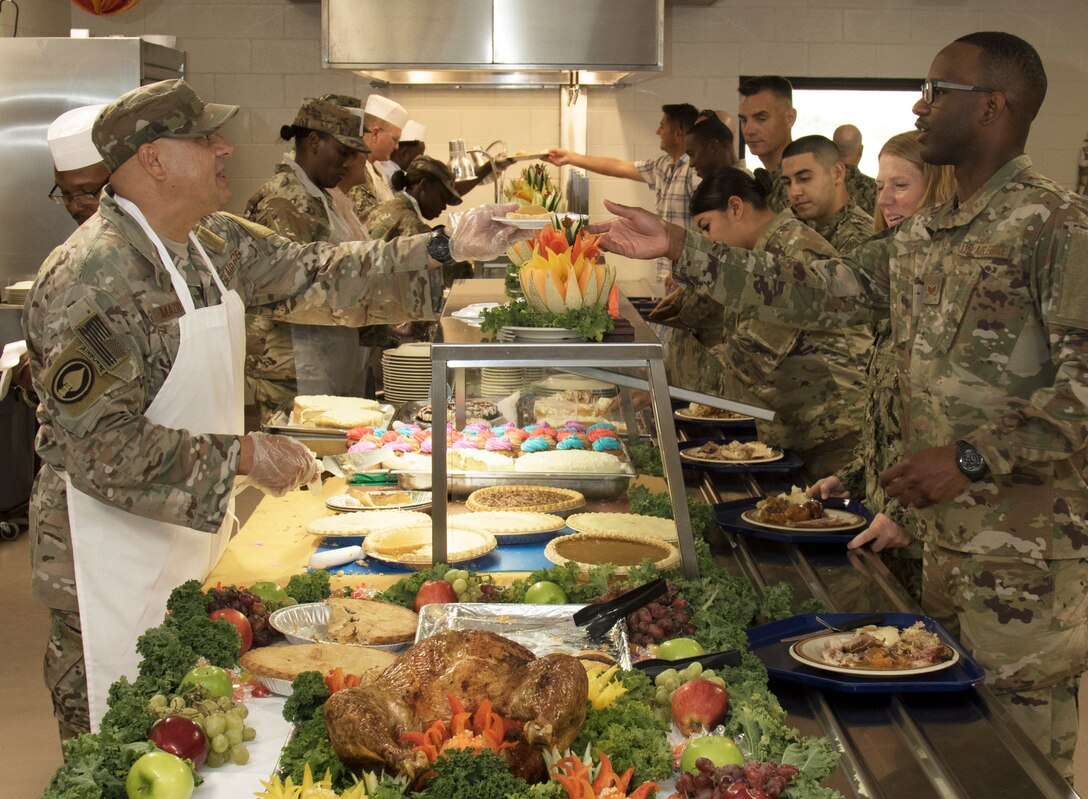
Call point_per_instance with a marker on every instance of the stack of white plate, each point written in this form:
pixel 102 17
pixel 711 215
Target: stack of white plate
pixel 406 372
pixel 501 381
pixel 16 292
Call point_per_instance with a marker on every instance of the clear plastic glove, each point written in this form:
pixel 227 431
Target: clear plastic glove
pixel 281 464
pixel 476 236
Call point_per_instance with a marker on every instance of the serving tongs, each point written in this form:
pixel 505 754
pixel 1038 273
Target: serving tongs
pixel 600 617
pixel 710 660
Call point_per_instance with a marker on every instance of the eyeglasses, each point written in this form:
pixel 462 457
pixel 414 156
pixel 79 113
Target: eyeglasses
pixel 63 198
pixel 932 88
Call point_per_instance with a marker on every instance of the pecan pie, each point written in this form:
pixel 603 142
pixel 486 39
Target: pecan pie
pixel 537 499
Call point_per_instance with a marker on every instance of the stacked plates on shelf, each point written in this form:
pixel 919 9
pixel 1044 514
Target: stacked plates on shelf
pixel 16 292
pixel 501 381
pixel 406 372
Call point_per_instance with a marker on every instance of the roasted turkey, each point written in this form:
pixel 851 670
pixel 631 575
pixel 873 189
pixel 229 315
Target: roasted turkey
pixel 546 695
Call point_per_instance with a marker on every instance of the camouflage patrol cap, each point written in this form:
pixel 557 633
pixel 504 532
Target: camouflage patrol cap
pixel 343 100
pixel 425 166
pixel 327 116
pixel 169 109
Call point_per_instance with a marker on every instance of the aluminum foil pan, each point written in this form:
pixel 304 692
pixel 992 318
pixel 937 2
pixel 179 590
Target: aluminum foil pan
pixel 278 687
pixel 542 629
pixel 309 624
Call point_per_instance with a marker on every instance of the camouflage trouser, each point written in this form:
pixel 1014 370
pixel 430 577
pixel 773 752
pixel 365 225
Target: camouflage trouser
pixel 1026 623
pixel 64 674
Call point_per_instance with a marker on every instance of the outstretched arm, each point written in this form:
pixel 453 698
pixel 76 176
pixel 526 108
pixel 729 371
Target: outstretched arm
pixel 613 167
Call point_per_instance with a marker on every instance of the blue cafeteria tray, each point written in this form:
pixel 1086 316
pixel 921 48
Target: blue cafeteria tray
pixel 766 643
pixel 787 463
pixel 504 558
pixel 728 515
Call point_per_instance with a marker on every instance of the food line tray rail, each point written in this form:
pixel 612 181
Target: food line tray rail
pixel 458 346
pixel 960 745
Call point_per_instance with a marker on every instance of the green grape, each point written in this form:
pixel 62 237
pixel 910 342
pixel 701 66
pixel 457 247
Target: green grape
pixel 220 743
pixel 695 670
pixel 659 680
pixel 460 585
pixel 215 759
pixel 156 702
pixel 708 674
pixel 248 733
pixel 672 683
pixel 241 710
pixel 661 696
pixel 239 755
pixel 215 725
pixel 234 737
pixel 234 722
pixel 225 702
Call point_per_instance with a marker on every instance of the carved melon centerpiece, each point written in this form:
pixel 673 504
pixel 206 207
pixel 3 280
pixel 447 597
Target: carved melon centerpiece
pixel 565 271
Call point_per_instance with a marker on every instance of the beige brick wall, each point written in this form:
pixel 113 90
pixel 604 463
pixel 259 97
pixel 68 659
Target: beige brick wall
pixel 265 56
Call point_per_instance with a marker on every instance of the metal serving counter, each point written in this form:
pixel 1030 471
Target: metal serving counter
pixel 894 746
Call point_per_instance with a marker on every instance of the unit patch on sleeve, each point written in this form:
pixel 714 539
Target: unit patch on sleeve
pixel 72 381
pixel 101 343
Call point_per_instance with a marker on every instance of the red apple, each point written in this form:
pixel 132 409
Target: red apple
pixel 434 591
pixel 699 704
pixel 159 775
pixel 182 737
pixel 240 622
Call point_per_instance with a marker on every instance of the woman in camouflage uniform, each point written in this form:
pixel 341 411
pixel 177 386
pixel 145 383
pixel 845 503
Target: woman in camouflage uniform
pixel 813 380
pixel 905 184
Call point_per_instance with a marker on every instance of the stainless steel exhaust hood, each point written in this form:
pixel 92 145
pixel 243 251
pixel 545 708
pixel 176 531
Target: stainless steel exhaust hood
pixel 495 43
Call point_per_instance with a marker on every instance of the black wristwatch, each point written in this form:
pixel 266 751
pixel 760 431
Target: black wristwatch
pixel 439 246
pixel 970 460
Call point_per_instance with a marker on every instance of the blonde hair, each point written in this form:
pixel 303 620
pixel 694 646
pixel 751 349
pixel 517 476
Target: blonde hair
pixel 939 181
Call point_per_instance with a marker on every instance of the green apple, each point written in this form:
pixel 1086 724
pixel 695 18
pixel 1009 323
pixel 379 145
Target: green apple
pixel 159 775
pixel 271 594
pixel 718 749
pixel 545 593
pixel 214 680
pixel 678 648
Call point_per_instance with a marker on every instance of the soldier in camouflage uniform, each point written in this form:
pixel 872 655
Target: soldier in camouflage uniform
pixel 383 120
pixel 424 189
pixel 813 380
pixel 989 315
pixel 861 187
pixel 766 118
pixel 284 360
pixel 1082 169
pixel 815 174
pixel 102 328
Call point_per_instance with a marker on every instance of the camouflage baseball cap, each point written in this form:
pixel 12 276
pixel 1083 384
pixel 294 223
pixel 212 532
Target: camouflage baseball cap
pixel 169 109
pixel 343 100
pixel 425 166
pixel 327 116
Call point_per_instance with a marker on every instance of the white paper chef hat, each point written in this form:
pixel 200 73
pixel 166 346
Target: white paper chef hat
pixel 413 131
pixel 69 138
pixel 384 108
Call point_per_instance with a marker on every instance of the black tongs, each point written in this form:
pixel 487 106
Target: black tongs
pixel 709 660
pixel 600 617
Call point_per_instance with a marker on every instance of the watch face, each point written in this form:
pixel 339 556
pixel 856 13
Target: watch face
pixel 971 461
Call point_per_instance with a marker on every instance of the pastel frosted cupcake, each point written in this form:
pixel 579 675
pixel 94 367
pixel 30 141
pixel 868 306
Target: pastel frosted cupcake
pixel 574 424
pixel 466 442
pixel 498 444
pixel 362 446
pixel 535 444
pixel 400 445
pixel 605 444
pixel 599 433
pixel 602 426
pixel 425 446
pixel 571 442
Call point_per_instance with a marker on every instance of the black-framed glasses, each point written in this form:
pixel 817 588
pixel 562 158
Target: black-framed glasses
pixel 932 88
pixel 63 198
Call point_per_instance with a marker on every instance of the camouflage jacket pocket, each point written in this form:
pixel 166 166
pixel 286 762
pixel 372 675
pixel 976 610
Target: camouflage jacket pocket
pixel 946 300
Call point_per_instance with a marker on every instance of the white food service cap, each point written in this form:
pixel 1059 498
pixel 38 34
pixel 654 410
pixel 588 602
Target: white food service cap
pixel 69 138
pixel 413 131
pixel 384 108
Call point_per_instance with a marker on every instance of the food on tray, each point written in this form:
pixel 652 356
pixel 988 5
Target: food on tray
pixel 794 510
pixel 364 621
pixel 379 499
pixel 890 648
pixel 478 460
pixel 547 695
pixel 287 662
pixel 411 545
pixel 541 499
pixel 510 521
pixel 733 451
pixel 580 406
pixel 474 409
pixel 706 412
pixel 633 524
pixel 529 212
pixel 323 410
pixel 365 522
pixel 593 549
pixel 571 461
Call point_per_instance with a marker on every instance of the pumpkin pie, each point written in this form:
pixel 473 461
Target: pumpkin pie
pixel 530 498
pixel 623 551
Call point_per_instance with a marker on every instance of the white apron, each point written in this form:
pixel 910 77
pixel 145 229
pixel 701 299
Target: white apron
pixel 127 565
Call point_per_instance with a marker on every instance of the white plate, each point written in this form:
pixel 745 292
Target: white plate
pixel 777 456
pixel 474 311
pixel 849 521
pixel 542 333
pixel 346 503
pixel 536 222
pixel 810 652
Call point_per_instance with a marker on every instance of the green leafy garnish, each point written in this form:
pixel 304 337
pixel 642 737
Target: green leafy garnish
pixel 592 322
